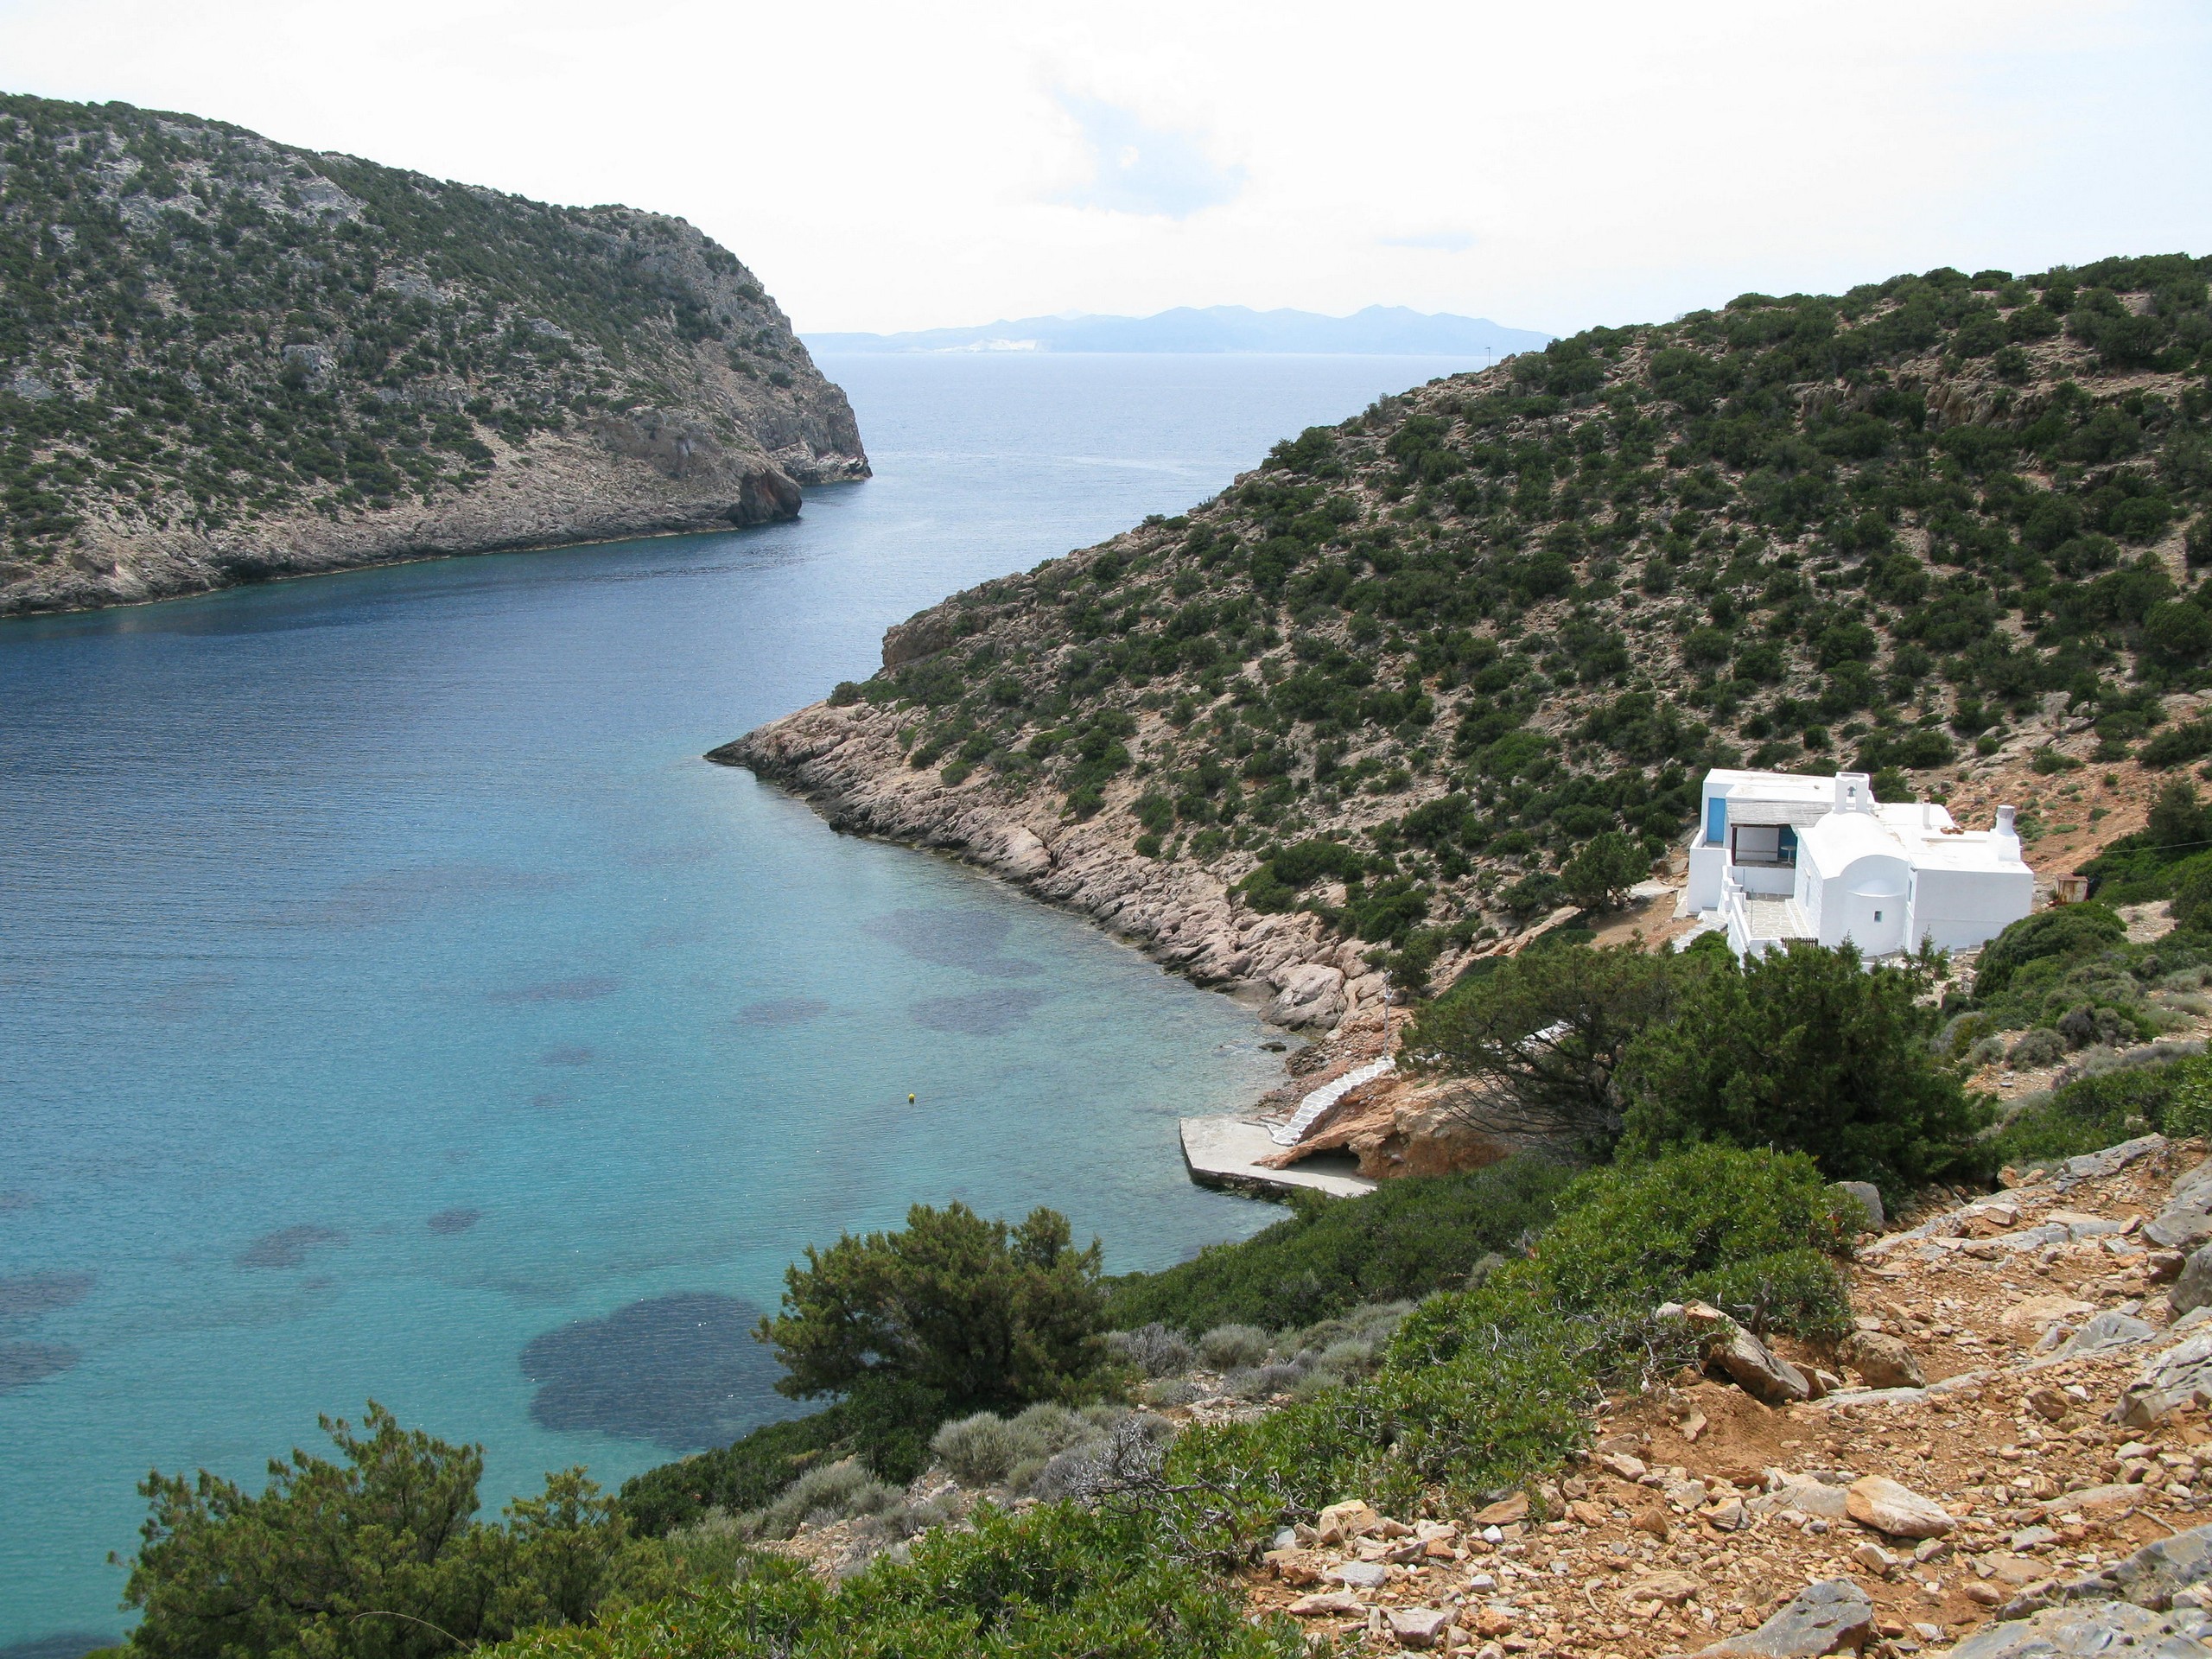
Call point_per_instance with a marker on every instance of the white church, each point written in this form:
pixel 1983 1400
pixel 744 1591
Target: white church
pixel 1777 857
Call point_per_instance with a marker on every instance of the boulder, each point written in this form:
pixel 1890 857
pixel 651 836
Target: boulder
pixel 2111 1329
pixel 2149 1577
pixel 1021 856
pixel 1307 994
pixel 1883 1360
pixel 1805 1497
pixel 1353 1518
pixel 1359 1575
pixel 1825 1618
pixel 1327 1603
pixel 2193 1289
pixel 1672 1588
pixel 1755 1368
pixel 1877 1501
pixel 2179 1374
pixel 2186 1221
pixel 2033 1312
pixel 1869 1197
pixel 2095 1500
pixel 2095 1166
pixel 1504 1512
pixel 2087 1633
pixel 1419 1627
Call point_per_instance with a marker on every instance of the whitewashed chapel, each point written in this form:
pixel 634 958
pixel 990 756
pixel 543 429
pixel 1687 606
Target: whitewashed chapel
pixel 1776 857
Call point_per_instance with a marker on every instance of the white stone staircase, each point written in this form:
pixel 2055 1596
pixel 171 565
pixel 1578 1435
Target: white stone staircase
pixel 1290 1132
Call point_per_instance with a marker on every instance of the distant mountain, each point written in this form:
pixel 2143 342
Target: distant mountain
pixel 1379 331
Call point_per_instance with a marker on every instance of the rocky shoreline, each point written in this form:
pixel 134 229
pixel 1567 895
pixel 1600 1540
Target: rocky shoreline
pixel 637 475
pixel 848 763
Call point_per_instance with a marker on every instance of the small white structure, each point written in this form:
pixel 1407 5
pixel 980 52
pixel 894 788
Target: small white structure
pixel 1776 857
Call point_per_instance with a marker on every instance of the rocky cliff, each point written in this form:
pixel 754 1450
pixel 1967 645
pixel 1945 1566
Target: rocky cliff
pixel 222 359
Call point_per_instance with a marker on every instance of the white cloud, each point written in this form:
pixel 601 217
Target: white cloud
pixel 1137 169
pixel 1432 241
pixel 891 166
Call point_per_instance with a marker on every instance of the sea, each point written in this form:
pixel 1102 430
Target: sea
pixel 395 1007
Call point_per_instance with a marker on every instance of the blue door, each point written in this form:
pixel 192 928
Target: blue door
pixel 1785 845
pixel 1716 820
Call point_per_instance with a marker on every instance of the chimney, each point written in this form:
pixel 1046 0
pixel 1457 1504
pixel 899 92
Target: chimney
pixel 2007 836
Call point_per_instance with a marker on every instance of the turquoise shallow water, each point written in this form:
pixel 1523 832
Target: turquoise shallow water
pixel 392 1004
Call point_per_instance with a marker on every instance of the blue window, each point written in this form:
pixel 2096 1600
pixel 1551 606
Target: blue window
pixel 1716 820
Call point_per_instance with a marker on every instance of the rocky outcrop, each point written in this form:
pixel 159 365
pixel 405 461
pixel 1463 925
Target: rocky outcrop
pixel 1398 1127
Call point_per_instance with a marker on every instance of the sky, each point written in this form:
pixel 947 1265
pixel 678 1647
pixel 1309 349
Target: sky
pixel 1550 165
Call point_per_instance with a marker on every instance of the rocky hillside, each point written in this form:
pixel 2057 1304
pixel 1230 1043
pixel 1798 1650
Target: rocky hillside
pixel 2008 1456
pixel 223 359
pixel 1451 669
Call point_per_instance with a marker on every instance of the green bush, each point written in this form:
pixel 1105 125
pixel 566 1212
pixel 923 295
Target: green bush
pixel 980 1313
pixel 1696 1221
pixel 377 1556
pixel 1805 1050
pixel 1405 1239
pixel 1055 1581
pixel 2068 931
pixel 2172 1097
pixel 2191 905
pixel 1489 1386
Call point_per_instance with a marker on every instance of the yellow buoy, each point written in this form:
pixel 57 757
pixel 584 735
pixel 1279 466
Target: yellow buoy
pixel 910 1100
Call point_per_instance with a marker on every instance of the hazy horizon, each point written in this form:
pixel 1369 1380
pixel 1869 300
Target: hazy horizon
pixel 1592 163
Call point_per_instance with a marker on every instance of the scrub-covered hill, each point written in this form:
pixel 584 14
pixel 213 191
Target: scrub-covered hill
pixel 222 358
pixel 1427 677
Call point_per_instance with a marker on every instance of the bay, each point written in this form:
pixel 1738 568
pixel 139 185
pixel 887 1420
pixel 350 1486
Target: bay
pixel 394 1006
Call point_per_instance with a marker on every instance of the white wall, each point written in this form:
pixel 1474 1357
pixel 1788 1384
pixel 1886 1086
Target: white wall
pixel 1958 910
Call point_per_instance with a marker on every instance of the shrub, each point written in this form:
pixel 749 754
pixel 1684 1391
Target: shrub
pixel 1643 1232
pixel 834 1492
pixel 1405 1239
pixel 1227 1347
pixel 2040 1047
pixel 1485 1387
pixel 1153 1349
pixel 978 1450
pixel 1130 1448
pixel 1041 1430
pixel 1806 1050
pixel 744 1475
pixel 2109 1107
pixel 2064 930
pixel 1058 1580
pixel 1798 1291
pixel 981 1314
pixel 389 1530
pixel 2191 905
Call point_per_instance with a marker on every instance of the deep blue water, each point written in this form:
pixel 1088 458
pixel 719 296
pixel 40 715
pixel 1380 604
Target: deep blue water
pixel 393 1005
